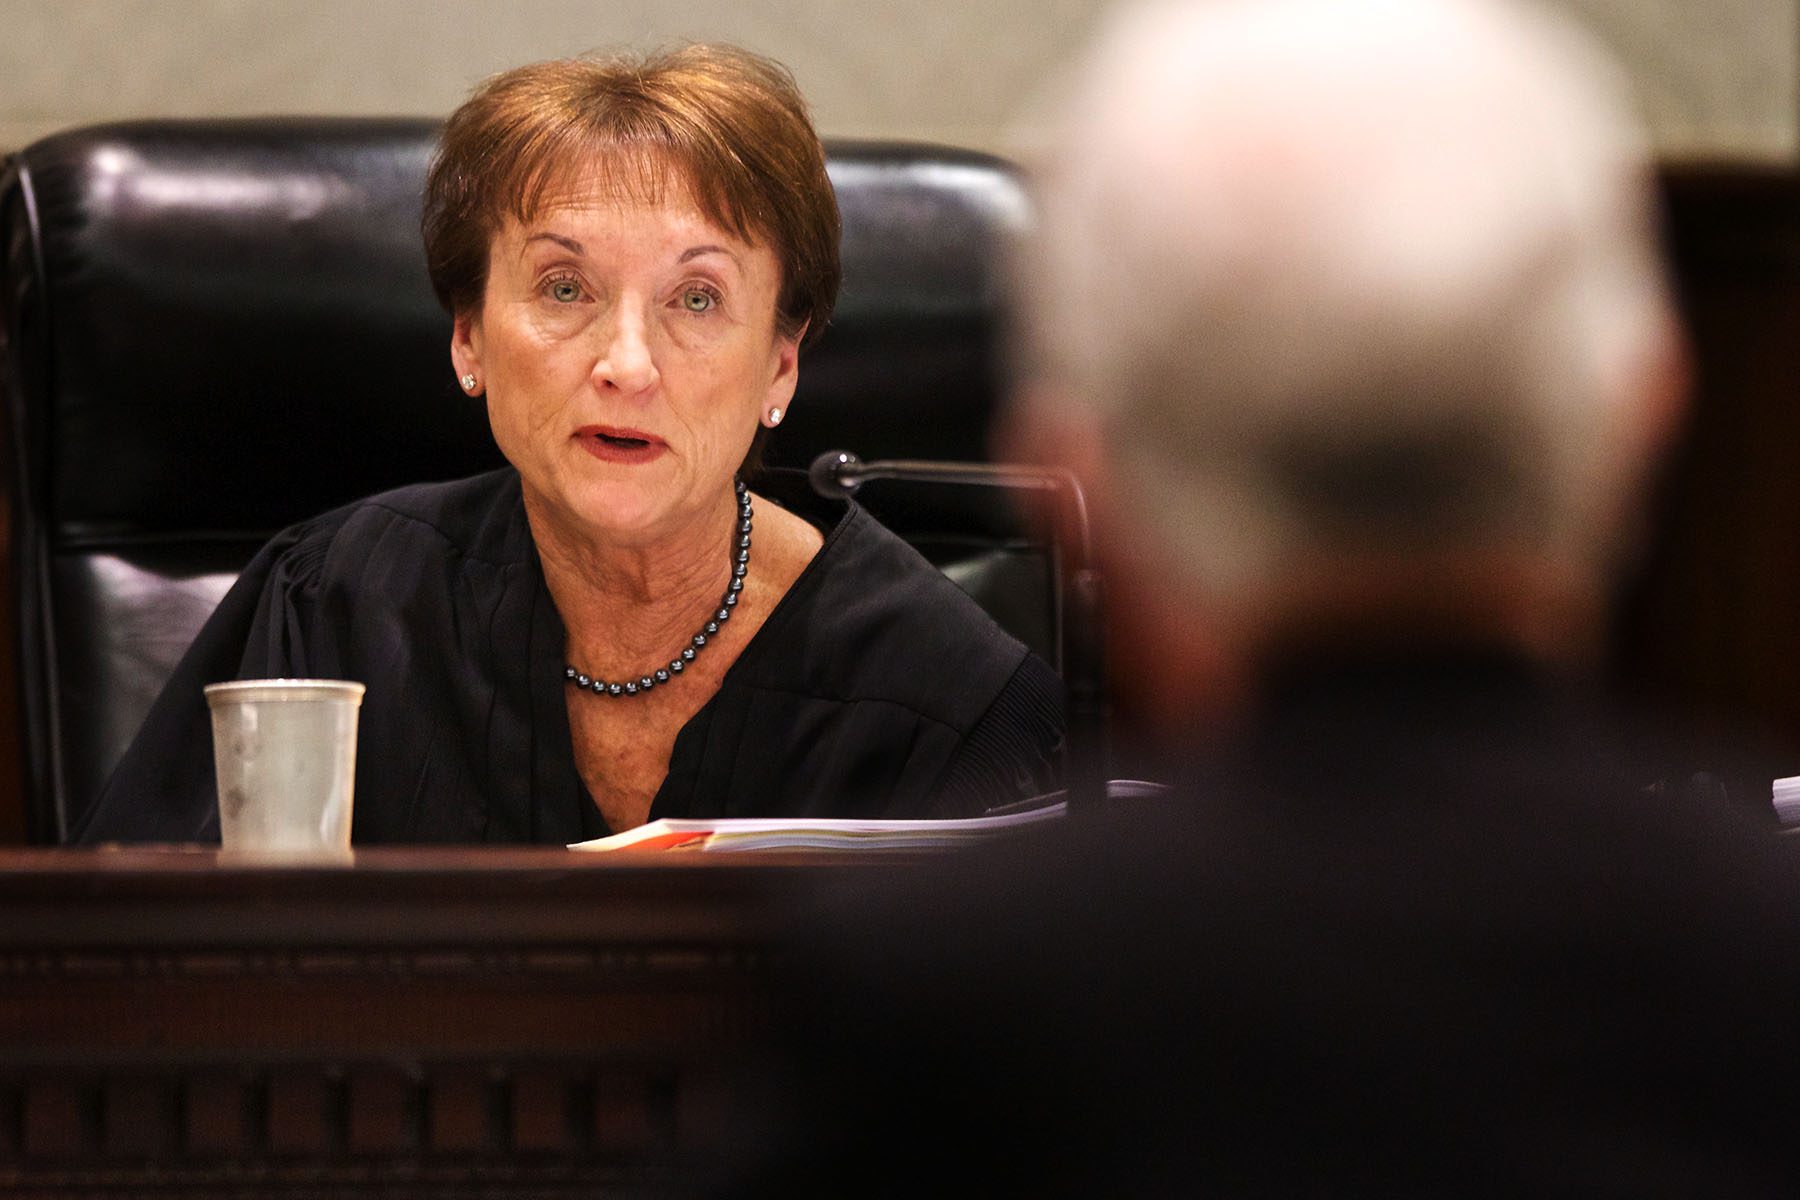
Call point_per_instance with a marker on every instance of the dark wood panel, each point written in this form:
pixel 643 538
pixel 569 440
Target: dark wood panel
pixel 174 1021
pixel 1707 627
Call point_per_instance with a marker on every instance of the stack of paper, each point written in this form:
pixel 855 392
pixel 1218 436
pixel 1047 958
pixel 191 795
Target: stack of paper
pixel 817 833
pixel 1786 795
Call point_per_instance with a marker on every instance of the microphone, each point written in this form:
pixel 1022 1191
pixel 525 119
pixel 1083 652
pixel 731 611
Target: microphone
pixel 835 474
pixel 838 474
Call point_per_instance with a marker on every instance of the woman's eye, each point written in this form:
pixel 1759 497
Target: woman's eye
pixel 697 301
pixel 565 291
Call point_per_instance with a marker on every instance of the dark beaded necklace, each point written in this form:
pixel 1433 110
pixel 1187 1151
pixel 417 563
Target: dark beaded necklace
pixel 740 567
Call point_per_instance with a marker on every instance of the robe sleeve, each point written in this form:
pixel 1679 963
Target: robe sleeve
pixel 1012 753
pixel 164 788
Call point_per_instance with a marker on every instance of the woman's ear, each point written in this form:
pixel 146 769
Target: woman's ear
pixel 785 373
pixel 465 347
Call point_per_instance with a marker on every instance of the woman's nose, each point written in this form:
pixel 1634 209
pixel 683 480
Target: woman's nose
pixel 626 362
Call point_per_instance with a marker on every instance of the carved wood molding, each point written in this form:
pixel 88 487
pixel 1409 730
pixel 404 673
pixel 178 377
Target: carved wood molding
pixel 465 1023
pixel 632 962
pixel 402 1120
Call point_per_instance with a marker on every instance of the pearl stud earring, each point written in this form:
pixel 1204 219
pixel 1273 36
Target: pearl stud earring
pixel 468 382
pixel 775 415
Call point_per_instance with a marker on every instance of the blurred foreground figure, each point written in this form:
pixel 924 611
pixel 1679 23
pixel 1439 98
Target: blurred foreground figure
pixel 1352 319
pixel 1350 316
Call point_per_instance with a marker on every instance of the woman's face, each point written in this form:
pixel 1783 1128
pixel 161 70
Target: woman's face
pixel 628 352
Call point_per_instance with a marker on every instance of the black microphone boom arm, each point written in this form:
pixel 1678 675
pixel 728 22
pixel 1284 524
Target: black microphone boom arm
pixel 838 474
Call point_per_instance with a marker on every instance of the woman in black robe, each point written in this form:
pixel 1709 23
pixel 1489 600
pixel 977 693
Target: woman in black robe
pixel 633 252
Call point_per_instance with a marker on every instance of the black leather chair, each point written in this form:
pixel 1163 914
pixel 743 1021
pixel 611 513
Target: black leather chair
pixel 215 328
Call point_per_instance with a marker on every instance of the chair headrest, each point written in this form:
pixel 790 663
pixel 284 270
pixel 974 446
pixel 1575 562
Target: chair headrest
pixel 223 326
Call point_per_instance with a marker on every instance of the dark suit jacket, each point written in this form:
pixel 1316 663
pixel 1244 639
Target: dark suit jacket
pixel 1424 931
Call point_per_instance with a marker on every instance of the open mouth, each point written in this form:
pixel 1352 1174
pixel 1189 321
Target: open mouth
pixel 610 443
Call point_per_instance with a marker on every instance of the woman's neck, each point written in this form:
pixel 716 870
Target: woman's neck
pixel 625 606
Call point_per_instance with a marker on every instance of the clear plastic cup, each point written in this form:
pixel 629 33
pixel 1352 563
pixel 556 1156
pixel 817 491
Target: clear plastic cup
pixel 285 750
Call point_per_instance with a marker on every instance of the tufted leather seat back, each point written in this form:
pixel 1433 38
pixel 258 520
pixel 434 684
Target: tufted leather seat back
pixel 215 328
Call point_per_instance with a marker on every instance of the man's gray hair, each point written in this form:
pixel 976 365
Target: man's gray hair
pixel 1343 277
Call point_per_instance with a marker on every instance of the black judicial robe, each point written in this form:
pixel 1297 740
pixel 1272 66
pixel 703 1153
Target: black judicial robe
pixel 875 688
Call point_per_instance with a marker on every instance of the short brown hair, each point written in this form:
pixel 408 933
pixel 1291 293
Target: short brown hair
pixel 728 124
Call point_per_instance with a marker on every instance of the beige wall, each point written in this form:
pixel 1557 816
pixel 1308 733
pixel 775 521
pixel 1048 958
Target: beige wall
pixel 1715 78
pixel 1718 78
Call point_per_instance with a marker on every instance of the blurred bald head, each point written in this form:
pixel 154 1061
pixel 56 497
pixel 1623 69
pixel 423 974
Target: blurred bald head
pixel 1337 286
